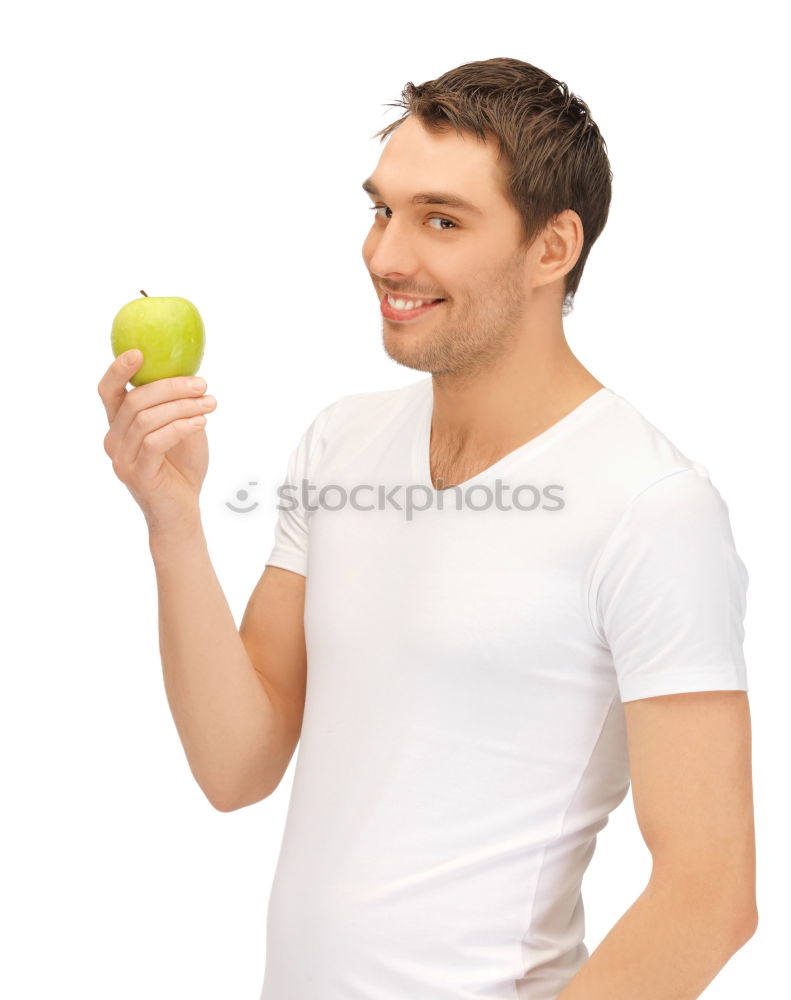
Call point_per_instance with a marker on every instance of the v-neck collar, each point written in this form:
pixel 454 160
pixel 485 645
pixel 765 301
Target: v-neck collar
pixel 421 453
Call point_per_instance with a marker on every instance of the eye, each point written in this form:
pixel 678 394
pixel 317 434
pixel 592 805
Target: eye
pixel 434 218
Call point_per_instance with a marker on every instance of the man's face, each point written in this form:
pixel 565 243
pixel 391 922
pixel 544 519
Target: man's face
pixel 472 260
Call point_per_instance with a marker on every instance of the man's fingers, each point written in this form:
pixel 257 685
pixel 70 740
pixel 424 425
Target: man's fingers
pixel 139 403
pixel 112 387
pixel 156 443
pixel 149 420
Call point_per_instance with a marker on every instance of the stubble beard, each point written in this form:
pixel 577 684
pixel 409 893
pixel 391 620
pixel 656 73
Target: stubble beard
pixel 479 336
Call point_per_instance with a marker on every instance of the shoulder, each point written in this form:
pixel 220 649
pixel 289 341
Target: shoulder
pixel 354 418
pixel 632 454
pixel 376 403
pixel 345 426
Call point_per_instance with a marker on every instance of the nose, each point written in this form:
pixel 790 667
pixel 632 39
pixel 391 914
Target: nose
pixel 389 254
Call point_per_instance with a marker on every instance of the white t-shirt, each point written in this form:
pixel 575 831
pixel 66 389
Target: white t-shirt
pixel 464 738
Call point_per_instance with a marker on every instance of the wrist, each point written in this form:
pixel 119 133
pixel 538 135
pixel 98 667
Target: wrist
pixel 186 528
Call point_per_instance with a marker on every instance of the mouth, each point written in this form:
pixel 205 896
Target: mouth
pixel 407 315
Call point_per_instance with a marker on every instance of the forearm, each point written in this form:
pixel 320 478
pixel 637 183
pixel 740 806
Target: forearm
pixel 225 720
pixel 669 945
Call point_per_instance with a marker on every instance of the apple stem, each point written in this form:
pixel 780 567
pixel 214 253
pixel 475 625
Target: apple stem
pixel 143 293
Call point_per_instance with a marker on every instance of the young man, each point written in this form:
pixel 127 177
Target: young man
pixel 480 676
pixel 497 595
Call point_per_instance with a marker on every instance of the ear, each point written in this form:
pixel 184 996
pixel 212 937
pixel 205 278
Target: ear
pixel 561 245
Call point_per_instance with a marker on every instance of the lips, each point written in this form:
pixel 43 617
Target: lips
pixel 408 295
pixel 405 315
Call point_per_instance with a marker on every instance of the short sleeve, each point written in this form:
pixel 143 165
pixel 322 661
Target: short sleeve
pixel 292 527
pixel 668 595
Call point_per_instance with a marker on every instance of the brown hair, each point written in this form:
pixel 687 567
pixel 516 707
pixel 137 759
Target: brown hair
pixel 555 157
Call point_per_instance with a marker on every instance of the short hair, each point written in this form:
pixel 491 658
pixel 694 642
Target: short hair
pixel 552 152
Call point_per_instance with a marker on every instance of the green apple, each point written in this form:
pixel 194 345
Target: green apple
pixel 167 329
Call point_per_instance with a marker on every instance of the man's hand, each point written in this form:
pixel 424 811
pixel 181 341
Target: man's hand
pixel 157 439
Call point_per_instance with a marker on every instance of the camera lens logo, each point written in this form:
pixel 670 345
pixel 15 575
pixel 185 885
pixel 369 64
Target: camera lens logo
pixel 242 495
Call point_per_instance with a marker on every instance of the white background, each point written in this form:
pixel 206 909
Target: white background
pixel 216 151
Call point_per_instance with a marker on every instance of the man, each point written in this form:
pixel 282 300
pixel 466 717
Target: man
pixel 551 609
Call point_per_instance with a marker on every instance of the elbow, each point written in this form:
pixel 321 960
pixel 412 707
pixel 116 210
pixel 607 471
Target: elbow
pixel 226 804
pixel 745 918
pixel 713 902
pixel 742 922
pixel 220 801
pixel 222 806
pixel 749 926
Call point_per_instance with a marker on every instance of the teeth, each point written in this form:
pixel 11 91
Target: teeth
pixel 405 303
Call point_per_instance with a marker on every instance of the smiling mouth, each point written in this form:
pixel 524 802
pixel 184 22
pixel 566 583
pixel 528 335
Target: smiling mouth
pixel 405 315
pixel 425 299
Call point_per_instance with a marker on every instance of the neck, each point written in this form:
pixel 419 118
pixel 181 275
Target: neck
pixel 523 393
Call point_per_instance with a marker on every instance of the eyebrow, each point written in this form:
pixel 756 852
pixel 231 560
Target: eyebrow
pixel 431 198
